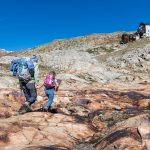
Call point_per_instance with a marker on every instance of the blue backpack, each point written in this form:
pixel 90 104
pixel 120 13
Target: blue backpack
pixel 22 68
pixel 13 66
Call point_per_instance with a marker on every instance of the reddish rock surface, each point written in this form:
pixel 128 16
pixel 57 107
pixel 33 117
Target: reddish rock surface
pixel 101 118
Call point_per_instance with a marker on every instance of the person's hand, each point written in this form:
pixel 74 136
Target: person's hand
pixel 36 86
pixel 56 88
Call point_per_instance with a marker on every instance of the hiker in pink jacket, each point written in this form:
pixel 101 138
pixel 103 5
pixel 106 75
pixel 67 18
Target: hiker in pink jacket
pixel 51 85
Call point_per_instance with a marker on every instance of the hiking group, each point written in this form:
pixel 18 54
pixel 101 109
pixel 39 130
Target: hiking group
pixel 27 71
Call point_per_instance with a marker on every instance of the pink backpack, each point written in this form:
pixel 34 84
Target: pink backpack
pixel 49 81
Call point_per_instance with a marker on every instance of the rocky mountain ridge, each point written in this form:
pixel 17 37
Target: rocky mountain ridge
pixel 99 58
pixel 103 102
pixel 3 52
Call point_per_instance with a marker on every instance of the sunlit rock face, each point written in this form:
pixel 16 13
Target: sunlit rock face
pixel 113 113
pixel 103 102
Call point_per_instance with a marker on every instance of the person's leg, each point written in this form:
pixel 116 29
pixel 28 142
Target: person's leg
pixel 25 106
pixel 25 90
pixel 50 94
pixel 33 93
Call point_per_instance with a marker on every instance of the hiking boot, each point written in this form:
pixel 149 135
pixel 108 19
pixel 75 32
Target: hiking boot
pixel 22 109
pixel 49 109
pixel 45 108
pixel 28 107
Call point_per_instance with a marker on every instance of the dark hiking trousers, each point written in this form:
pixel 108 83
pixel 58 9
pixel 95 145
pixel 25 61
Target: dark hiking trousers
pixel 29 91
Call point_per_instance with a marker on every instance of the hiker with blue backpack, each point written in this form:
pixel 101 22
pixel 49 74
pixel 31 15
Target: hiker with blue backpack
pixel 51 85
pixel 26 69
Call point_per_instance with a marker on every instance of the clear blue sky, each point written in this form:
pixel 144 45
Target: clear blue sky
pixel 28 23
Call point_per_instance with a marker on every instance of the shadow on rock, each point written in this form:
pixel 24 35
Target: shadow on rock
pixel 45 148
pixel 129 132
pixel 137 96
